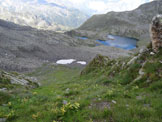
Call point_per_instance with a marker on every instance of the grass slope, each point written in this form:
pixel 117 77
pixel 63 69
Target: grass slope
pixel 106 91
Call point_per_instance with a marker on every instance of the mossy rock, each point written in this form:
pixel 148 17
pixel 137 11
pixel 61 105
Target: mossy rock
pixel 4 79
pixel 98 63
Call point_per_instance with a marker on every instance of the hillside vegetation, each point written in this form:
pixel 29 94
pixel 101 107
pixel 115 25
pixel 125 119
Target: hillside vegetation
pixel 123 90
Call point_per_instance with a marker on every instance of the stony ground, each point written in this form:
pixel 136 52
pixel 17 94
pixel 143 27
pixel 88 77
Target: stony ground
pixel 24 48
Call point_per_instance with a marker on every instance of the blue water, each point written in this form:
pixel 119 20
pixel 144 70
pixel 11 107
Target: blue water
pixel 117 41
pixel 83 38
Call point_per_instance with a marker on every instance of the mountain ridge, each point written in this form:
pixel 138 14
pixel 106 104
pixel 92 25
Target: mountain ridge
pixel 42 15
pixel 130 23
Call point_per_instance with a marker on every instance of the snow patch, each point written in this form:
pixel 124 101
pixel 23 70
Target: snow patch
pixel 70 61
pixel 65 61
pixel 81 62
pixel 110 37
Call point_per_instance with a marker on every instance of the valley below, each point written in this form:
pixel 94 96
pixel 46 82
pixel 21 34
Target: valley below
pixel 23 48
pixel 106 90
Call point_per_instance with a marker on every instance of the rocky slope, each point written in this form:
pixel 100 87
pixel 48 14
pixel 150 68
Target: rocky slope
pixel 23 48
pixel 41 14
pixel 10 80
pixel 130 23
pixel 142 69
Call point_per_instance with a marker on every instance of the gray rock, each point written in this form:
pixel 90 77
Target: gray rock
pixel 19 79
pixel 142 50
pixel 15 80
pixel 100 105
pixel 132 60
pixel 5 105
pixel 3 119
pixel 141 72
pixel 146 105
pixel 67 90
pixel 3 89
pixel 139 98
pixel 138 78
pixel 113 101
pixel 123 65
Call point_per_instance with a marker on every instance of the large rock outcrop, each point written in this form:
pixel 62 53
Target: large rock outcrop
pixel 156 32
pixel 11 80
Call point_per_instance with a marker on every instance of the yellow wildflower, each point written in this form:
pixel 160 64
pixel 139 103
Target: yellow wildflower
pixel 35 116
pixel 35 93
pixel 63 109
pixel 9 103
pixel 77 105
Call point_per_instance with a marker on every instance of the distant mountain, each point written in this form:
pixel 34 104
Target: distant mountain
pixel 42 14
pixel 130 23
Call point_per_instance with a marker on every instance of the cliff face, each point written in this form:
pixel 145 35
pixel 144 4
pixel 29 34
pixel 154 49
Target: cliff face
pixel 130 23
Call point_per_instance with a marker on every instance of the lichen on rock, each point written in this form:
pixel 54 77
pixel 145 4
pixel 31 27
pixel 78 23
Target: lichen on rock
pixel 156 32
